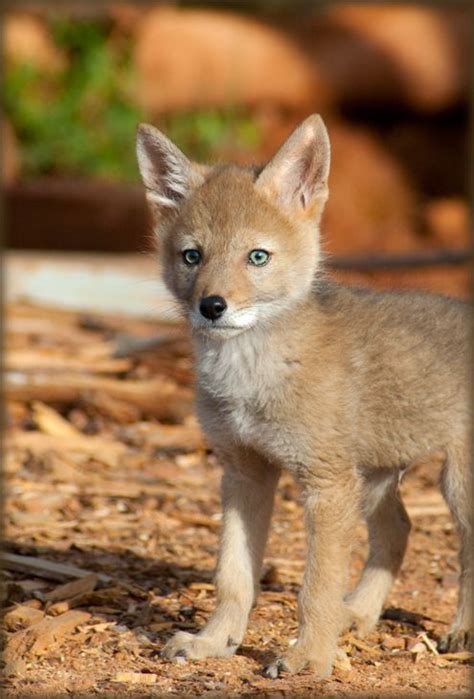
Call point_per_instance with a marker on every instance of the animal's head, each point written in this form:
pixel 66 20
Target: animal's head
pixel 238 245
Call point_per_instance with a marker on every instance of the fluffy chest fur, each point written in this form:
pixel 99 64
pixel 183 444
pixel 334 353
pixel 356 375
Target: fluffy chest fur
pixel 242 382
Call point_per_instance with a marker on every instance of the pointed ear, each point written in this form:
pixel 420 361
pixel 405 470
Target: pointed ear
pixel 169 177
pixel 296 177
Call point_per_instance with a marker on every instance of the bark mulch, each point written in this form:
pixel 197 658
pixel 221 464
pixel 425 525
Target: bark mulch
pixel 111 528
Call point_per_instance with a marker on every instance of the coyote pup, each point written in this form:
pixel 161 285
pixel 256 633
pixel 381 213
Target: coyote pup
pixel 343 387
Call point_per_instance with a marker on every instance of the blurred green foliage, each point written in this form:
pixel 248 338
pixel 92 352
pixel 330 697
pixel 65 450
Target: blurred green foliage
pixel 82 121
pixel 79 122
pixel 200 134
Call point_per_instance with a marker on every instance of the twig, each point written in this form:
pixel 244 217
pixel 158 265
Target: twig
pixel 46 569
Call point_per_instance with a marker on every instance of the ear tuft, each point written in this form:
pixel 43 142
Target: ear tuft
pixel 297 175
pixel 168 176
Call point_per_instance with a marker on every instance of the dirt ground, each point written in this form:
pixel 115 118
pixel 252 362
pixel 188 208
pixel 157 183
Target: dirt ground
pixel 106 470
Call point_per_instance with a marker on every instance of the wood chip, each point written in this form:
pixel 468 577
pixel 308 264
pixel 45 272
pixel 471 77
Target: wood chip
pixel 51 422
pixel 431 505
pixel 32 585
pixel 53 361
pixel 44 636
pixel 71 589
pixel 86 599
pixel 33 603
pixel 202 586
pixel 183 437
pixel 98 628
pixel 107 451
pixel 342 661
pixel 159 397
pixel 417 649
pixel 157 626
pixel 21 616
pixel 393 643
pixel 60 608
pixel 120 410
pixel 136 677
pixel 363 646
pixel 463 656
pixel 429 510
pixel 197 520
pixel 46 569
pixel 429 643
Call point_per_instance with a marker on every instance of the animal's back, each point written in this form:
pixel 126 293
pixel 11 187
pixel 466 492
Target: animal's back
pixel 408 359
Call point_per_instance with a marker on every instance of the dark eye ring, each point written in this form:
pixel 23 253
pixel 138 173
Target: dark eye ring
pixel 259 257
pixel 191 257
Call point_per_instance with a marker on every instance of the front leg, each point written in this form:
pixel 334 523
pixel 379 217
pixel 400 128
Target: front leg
pixel 331 513
pixel 247 497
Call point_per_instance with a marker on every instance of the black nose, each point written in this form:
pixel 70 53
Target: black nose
pixel 212 307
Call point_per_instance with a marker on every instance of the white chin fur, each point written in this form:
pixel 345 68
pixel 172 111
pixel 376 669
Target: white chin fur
pixel 232 323
pixel 219 331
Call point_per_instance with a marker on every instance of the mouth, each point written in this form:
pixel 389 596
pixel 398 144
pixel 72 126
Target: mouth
pixel 217 328
pixel 222 330
pixel 232 323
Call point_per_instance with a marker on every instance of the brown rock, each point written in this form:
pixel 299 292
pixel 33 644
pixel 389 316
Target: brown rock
pixel 434 151
pixel 393 54
pixel 191 58
pixel 136 677
pixel 26 39
pixel 371 204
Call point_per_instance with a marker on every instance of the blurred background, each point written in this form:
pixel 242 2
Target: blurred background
pixel 230 81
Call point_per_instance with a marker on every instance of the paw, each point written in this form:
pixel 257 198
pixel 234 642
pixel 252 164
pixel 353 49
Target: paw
pixel 298 659
pixel 455 641
pixel 196 647
pixel 360 621
pixel 363 625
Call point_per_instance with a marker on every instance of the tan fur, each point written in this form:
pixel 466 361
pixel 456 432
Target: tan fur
pixel 344 387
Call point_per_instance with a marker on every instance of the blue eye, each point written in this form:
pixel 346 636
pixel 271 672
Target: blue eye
pixel 259 257
pixel 191 257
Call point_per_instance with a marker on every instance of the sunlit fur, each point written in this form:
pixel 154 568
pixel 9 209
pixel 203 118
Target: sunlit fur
pixel 225 235
pixel 345 388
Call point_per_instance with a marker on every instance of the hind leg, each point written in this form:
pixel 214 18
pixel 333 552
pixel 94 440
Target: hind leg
pixel 456 487
pixel 388 526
